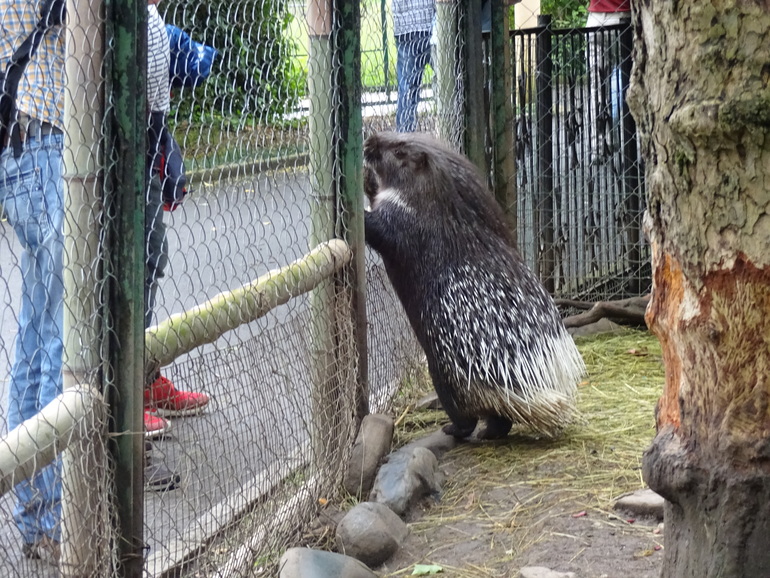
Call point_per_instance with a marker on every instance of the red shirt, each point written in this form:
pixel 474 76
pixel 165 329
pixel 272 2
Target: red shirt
pixel 609 5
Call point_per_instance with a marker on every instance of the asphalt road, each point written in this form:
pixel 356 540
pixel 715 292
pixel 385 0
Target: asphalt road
pixel 256 375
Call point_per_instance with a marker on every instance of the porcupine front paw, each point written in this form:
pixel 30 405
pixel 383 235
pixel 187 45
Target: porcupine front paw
pixel 458 432
pixel 495 428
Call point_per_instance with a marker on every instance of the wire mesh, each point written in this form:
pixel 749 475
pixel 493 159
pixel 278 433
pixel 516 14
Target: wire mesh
pixel 53 290
pixel 228 488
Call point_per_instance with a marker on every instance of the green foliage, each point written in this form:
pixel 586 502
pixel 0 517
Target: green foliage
pixel 566 13
pixel 568 51
pixel 254 75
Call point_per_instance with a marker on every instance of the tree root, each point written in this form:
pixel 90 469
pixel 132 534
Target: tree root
pixel 624 311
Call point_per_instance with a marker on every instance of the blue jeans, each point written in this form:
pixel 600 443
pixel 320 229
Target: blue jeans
pixel 156 245
pixel 413 55
pixel 32 198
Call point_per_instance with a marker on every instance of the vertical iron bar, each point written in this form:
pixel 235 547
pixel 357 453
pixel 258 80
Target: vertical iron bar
pixel 544 70
pixel 631 166
pixel 501 94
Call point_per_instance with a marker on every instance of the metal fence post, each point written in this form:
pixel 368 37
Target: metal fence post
pixel 350 209
pixel 338 305
pixel 545 262
pixel 124 198
pixel 385 48
pixel 502 125
pixel 473 85
pixel 446 64
pixel 83 504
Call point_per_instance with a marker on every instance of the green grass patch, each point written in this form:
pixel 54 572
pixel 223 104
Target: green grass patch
pixel 601 452
pixel 378 49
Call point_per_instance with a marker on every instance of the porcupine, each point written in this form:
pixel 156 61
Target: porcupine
pixel 495 344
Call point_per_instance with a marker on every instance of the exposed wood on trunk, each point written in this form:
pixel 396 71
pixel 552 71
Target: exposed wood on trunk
pixel 700 97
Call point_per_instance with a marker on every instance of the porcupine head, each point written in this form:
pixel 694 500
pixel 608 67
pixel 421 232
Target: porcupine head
pixel 496 347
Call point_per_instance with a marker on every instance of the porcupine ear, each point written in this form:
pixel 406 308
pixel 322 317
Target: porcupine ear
pixel 418 160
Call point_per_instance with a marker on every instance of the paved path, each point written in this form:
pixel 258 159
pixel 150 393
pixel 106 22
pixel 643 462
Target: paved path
pixel 257 374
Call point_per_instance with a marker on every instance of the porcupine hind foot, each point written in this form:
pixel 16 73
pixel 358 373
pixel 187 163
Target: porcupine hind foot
pixel 460 431
pixel 495 428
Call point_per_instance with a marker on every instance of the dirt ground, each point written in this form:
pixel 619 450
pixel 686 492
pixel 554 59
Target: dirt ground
pixel 494 529
pixel 528 502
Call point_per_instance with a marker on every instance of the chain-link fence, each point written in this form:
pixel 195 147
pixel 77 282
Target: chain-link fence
pixel 276 348
pixel 277 334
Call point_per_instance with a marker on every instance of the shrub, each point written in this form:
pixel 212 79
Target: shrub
pixel 566 13
pixel 253 77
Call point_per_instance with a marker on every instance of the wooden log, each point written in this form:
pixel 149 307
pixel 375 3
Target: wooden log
pixel 207 322
pixel 625 311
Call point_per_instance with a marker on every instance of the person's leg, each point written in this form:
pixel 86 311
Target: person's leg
pixel 599 108
pixel 31 192
pixel 161 397
pixel 413 55
pixel 403 62
pixel 156 246
pixel 156 259
pixel 422 58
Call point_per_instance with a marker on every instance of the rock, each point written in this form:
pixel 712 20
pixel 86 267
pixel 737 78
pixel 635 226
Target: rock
pixel 307 563
pixel 371 445
pixel 541 572
pixel 438 442
pixel 409 475
pixel 430 401
pixel 642 503
pixel 370 532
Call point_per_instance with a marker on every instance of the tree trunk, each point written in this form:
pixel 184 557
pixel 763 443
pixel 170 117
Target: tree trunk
pixel 701 100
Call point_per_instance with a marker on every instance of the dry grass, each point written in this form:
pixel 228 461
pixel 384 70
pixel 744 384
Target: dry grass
pixel 512 488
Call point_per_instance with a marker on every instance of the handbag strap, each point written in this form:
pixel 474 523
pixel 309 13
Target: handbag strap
pixel 52 13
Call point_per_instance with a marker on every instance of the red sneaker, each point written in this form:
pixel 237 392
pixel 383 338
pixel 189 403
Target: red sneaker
pixel 164 399
pixel 155 426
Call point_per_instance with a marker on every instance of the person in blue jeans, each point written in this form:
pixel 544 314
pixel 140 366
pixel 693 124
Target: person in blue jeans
pixel 412 25
pixel 32 200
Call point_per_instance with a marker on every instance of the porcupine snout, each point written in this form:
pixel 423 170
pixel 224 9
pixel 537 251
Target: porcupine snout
pixel 372 152
pixel 371 183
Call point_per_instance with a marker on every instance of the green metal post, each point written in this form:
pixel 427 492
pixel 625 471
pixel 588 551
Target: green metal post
pixel 350 209
pixel 125 191
pixel 502 126
pixel 338 305
pixel 473 84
